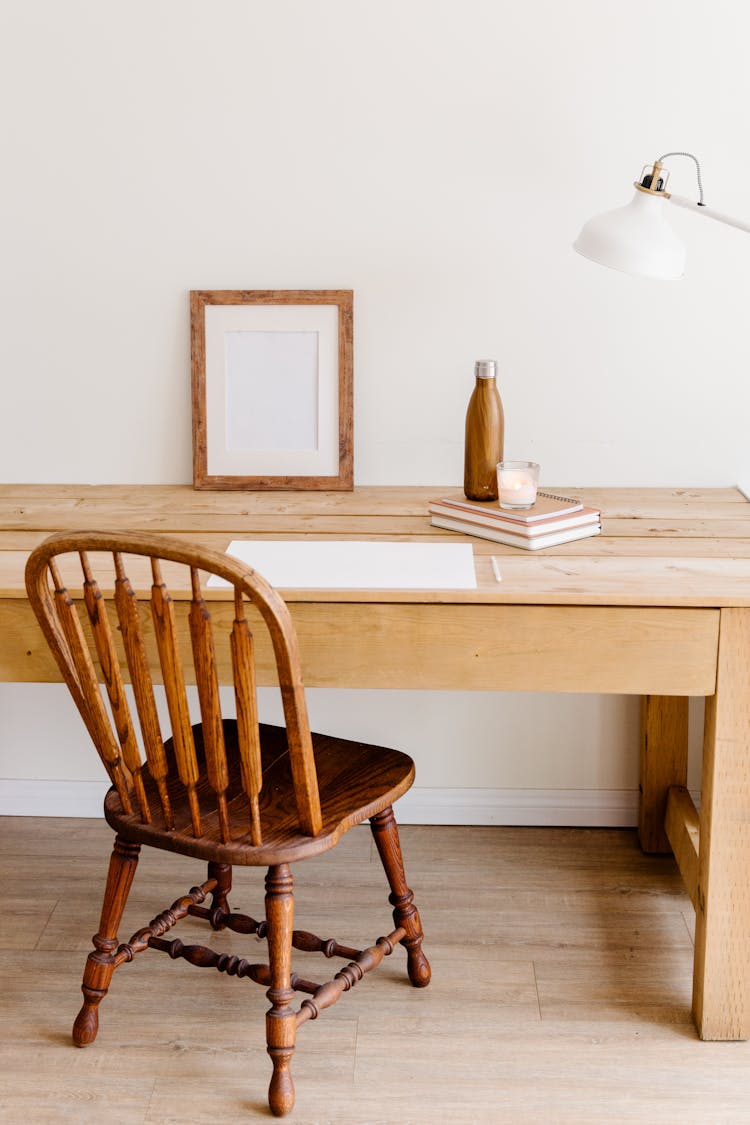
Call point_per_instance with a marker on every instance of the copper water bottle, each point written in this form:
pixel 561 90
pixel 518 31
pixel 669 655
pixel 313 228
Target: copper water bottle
pixel 485 425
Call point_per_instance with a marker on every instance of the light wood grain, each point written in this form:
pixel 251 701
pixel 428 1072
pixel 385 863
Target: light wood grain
pixel 367 498
pixel 721 996
pixel 180 507
pixel 659 547
pixel 533 648
pixel 682 825
pixel 526 580
pixel 582 1017
pixel 621 546
pixel 664 762
pixel 247 520
pixel 630 581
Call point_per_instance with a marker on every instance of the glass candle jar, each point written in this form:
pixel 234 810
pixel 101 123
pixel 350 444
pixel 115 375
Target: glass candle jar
pixel 517 484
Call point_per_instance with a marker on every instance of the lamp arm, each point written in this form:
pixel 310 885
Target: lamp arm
pixel 691 205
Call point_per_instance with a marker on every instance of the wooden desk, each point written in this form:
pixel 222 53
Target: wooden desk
pixel 658 606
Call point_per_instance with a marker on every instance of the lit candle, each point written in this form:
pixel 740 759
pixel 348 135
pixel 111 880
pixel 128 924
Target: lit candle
pixel 517 483
pixel 518 490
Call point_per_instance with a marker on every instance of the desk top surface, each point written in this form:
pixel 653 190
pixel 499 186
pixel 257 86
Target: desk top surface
pixel 667 547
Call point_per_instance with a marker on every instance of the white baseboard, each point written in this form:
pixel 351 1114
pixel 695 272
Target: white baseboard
pixel 600 808
pixel 604 808
pixel 52 798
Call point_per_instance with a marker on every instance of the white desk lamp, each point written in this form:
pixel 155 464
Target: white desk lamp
pixel 637 238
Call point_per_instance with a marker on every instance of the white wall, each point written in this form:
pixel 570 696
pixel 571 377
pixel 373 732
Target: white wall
pixel 436 157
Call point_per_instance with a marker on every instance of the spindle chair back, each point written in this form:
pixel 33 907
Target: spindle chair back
pixel 228 789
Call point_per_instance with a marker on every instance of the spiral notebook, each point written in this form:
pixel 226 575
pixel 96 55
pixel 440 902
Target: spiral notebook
pixel 548 506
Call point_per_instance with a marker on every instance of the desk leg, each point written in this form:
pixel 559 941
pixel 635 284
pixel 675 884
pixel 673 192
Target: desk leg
pixel 721 988
pixel 664 756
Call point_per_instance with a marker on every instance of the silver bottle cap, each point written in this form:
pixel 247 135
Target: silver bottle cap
pixel 485 368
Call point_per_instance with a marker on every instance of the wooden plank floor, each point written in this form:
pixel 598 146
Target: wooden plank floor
pixel 567 1002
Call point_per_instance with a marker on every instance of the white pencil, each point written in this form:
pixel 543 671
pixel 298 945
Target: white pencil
pixel 496 569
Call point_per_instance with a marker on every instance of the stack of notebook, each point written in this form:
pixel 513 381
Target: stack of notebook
pixel 552 520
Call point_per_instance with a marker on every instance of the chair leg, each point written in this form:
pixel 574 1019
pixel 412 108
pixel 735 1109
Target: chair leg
pixel 405 913
pixel 281 1021
pixel 100 964
pixel 222 873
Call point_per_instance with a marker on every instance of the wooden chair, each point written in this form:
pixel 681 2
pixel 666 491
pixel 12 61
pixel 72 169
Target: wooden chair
pixel 226 790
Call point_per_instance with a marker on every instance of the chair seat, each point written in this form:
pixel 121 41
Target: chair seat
pixel 356 781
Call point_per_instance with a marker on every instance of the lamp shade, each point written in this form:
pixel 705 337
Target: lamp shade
pixel 635 239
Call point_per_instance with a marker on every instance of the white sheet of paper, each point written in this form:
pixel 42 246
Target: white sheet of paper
pixel 357 564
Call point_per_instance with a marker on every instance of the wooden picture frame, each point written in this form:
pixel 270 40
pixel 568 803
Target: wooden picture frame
pixel 272 388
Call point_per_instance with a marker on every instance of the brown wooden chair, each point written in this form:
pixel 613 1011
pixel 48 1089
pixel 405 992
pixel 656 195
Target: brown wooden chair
pixel 227 790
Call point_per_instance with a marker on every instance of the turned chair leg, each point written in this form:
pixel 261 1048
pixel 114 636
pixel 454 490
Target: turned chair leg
pixel 405 913
pixel 281 1021
pixel 100 964
pixel 222 873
